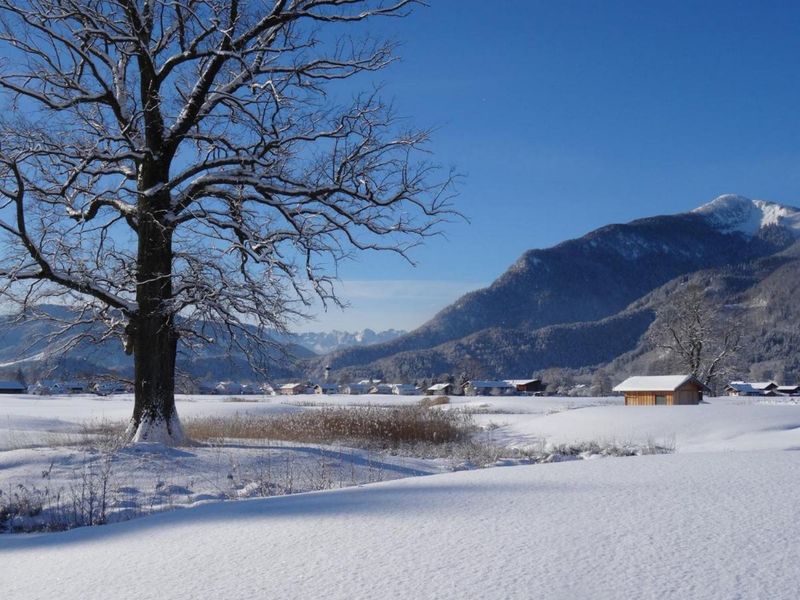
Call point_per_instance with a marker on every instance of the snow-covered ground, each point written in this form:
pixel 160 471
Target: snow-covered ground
pixel 715 519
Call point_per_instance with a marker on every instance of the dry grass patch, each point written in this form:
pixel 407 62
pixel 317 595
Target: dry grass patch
pixel 359 426
pixel 438 401
pixel 239 399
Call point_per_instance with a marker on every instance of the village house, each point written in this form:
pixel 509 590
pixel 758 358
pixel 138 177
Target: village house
pixel 266 389
pixel 326 388
pixel 230 387
pixel 751 388
pixel 662 389
pixel 788 390
pixel 355 389
pixel 489 388
pixel 107 388
pixel 381 388
pixel 12 387
pixel 440 389
pixel 47 387
pixel 527 386
pixel 292 389
pixel 404 389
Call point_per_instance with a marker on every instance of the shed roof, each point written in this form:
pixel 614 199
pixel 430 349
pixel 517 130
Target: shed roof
pixel 439 386
pixel 788 388
pixel 490 384
pixel 289 386
pixel 752 386
pixel 763 385
pixel 657 383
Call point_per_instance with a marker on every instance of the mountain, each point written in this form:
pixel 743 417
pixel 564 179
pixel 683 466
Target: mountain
pixel 581 303
pixel 28 344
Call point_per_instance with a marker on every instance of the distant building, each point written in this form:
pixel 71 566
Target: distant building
pixel 230 387
pixel 207 387
pixel 292 389
pixel 488 388
pixel 440 389
pixel 326 388
pixel 355 389
pixel 788 390
pixel 266 389
pixel 751 388
pixel 40 388
pixel 381 388
pixel 12 387
pixel 527 386
pixel 48 387
pixel 662 389
pixel 404 389
pixel 106 388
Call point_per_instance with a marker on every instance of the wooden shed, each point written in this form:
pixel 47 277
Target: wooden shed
pixel 527 386
pixel 662 389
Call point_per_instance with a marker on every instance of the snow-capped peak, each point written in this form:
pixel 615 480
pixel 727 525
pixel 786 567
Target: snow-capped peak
pixel 731 213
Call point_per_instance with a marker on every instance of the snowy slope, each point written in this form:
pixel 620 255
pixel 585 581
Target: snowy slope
pixel 700 526
pixel 703 523
pixel 730 213
pixel 722 425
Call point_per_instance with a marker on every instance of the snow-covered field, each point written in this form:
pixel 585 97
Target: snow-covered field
pixel 715 519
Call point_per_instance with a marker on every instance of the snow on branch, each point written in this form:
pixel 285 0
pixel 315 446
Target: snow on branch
pixel 201 151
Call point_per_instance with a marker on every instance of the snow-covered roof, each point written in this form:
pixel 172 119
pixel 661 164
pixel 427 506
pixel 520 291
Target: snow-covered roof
pixel 437 387
pixel 70 385
pixel 381 387
pixel 490 384
pixel 753 386
pixel 763 385
pixel 327 386
pixel 290 386
pixel 522 381
pixel 654 383
pixel 788 388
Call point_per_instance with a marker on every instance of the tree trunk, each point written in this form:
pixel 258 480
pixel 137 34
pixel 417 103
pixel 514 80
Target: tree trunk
pixel 154 336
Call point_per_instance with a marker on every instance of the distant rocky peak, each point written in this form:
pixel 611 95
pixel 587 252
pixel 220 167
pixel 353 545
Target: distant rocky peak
pixel 731 213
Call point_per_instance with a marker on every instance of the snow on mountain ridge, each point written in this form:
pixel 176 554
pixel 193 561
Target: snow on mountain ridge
pixel 732 213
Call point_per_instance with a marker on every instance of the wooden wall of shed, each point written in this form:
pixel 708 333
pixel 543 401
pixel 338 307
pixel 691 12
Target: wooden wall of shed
pixel 645 398
pixel 691 396
pixel 680 397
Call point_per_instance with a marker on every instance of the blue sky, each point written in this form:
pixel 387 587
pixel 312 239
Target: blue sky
pixel 565 116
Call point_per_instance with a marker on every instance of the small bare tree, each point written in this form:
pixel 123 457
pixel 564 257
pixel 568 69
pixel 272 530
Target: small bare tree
pixel 699 335
pixel 170 164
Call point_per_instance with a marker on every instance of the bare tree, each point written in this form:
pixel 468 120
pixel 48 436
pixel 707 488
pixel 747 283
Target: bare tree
pixel 170 164
pixel 601 383
pixel 700 335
